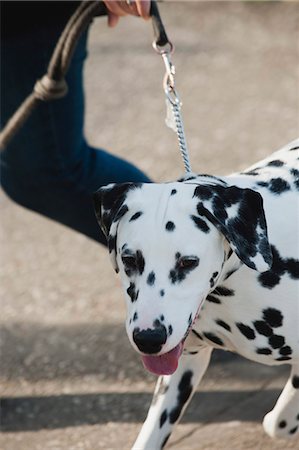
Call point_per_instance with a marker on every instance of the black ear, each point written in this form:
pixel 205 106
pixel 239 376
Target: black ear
pixel 110 207
pixel 239 215
pixel 107 202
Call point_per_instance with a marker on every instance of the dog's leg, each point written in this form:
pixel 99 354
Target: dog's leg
pixel 172 394
pixel 283 420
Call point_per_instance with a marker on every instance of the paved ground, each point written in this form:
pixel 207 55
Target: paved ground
pixel 69 379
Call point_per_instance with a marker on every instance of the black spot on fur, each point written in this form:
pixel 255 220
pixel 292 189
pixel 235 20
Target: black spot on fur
pixel 162 293
pixel 263 328
pixel 263 184
pixel 135 317
pixel 251 172
pixel 162 318
pixel 132 293
pixel 170 226
pixel 293 430
pixel 229 273
pixel 283 358
pixel 174 191
pixel 264 351
pixel 223 324
pixel 247 331
pixel 286 350
pixel 279 185
pixel 276 185
pixel 163 418
pixel 135 216
pixel 212 299
pixel 273 317
pixel 151 279
pixel 280 267
pixel 276 341
pixel 212 279
pixel 276 163
pixel 223 291
pixel 197 334
pixel 170 329
pixel 203 192
pixel 293 148
pixel 295 174
pixel 295 381
pixel 282 424
pixel 213 338
pixel 184 392
pixel 201 224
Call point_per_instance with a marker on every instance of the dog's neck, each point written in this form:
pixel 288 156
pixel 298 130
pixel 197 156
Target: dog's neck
pixel 231 264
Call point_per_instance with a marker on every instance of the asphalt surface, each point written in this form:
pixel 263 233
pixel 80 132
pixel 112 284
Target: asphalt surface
pixel 69 378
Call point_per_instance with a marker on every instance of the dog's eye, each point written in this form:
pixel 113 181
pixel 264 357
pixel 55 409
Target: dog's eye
pixel 188 262
pixel 129 261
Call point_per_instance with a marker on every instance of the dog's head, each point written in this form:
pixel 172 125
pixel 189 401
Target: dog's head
pixel 168 241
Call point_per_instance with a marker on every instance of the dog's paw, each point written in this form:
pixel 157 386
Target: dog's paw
pixel 281 427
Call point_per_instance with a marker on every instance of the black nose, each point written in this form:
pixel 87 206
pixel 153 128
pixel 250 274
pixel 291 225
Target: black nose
pixel 150 341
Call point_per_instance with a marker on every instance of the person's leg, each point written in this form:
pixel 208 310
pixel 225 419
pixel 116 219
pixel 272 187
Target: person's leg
pixel 48 167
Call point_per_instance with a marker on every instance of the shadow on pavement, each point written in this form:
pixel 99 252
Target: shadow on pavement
pixel 36 413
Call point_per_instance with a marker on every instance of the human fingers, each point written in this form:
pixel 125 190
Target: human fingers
pixel 117 9
pixel 112 19
pixel 143 8
pixel 121 8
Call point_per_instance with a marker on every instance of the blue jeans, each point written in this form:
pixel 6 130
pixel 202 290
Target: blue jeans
pixel 49 167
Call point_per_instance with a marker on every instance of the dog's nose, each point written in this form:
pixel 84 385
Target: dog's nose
pixel 150 341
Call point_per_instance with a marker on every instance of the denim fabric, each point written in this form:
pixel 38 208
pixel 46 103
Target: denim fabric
pixel 49 167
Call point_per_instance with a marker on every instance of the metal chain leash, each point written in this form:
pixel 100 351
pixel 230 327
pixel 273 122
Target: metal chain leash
pixel 174 118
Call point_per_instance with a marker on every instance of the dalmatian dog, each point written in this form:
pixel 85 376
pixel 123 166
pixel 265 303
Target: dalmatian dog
pixel 209 262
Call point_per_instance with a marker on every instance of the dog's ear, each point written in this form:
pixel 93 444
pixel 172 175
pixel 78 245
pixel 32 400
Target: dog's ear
pixel 110 207
pixel 239 215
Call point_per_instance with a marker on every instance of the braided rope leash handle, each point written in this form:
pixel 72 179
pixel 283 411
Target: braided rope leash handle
pixel 52 85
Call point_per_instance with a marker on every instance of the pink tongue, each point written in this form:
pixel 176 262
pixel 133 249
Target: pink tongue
pixel 164 364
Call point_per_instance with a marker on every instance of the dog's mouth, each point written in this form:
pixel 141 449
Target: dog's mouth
pixel 165 364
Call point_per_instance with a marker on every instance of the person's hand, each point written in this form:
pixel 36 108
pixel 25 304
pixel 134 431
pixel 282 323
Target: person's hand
pixel 117 9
